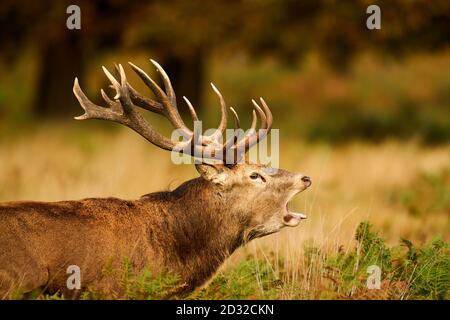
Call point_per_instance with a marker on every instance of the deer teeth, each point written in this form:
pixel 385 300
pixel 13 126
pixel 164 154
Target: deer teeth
pixel 293 218
pixel 298 216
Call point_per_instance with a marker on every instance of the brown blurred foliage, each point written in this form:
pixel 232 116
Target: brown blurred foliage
pixel 183 33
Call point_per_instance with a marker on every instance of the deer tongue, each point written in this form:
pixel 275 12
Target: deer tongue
pixel 298 216
pixel 294 215
pixel 292 218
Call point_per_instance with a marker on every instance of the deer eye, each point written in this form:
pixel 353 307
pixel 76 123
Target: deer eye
pixel 254 175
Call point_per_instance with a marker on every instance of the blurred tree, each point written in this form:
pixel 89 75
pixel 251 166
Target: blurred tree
pixel 182 33
pixel 337 29
pixel 61 53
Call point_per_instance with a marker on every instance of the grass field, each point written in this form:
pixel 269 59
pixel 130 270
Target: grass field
pixel 401 189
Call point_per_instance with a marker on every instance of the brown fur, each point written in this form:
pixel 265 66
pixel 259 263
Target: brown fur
pixel 189 231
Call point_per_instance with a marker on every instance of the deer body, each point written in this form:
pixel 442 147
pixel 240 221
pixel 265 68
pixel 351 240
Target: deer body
pixel 168 230
pixel 189 231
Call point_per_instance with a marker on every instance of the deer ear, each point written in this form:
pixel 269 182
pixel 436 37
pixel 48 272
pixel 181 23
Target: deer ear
pixel 211 172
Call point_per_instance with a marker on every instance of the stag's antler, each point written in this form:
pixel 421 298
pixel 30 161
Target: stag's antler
pixel 121 109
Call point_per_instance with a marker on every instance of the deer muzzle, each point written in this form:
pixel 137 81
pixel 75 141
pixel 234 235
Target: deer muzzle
pixel 292 218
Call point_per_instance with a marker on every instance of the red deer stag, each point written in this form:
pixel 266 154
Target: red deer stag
pixel 189 231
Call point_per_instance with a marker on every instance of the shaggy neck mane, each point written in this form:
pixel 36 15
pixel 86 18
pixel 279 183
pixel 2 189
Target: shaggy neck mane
pixel 197 229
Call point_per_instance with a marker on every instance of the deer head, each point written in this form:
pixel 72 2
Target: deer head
pixel 255 195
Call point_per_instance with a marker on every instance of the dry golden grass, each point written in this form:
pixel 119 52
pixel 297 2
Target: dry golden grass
pixel 350 184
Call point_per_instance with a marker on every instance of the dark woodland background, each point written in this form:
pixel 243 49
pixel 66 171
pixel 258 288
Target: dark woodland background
pixel 316 59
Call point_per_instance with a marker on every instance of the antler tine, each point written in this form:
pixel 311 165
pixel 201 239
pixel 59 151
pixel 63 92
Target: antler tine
pixel 254 137
pixel 233 140
pixel 253 126
pixel 138 99
pixel 169 110
pixel 148 81
pixel 115 84
pixel 91 110
pixel 116 71
pixel 144 102
pixel 113 105
pixel 191 109
pixel 249 133
pixel 124 97
pixel 267 126
pixel 106 98
pixel 237 122
pixel 268 113
pixel 125 106
pixel 224 116
pixel 167 84
pixel 261 113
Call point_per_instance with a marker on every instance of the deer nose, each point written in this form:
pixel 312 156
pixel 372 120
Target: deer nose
pixel 306 180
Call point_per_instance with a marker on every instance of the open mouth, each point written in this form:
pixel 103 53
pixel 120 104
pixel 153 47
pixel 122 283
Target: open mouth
pixel 292 218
